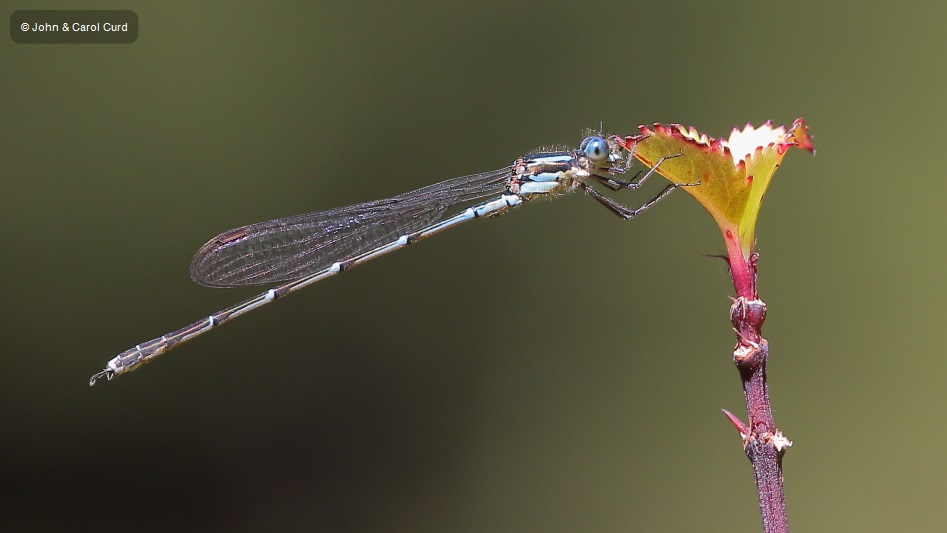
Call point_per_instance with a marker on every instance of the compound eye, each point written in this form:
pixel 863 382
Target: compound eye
pixel 597 151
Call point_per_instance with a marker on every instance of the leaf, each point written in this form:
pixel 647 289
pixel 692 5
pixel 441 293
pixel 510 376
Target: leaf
pixel 732 174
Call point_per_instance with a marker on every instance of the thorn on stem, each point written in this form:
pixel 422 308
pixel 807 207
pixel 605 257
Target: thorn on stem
pixel 737 423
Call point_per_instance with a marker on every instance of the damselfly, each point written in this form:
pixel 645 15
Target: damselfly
pixel 294 252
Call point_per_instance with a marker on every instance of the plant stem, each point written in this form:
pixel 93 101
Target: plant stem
pixel 763 443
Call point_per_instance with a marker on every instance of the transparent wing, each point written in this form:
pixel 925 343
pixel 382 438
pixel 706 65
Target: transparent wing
pixel 294 247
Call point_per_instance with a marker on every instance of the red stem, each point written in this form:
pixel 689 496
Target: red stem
pixel 763 443
pixel 743 273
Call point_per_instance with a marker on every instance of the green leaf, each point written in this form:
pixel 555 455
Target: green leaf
pixel 733 174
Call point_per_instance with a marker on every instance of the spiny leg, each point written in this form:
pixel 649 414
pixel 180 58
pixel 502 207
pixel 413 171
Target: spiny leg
pixel 639 179
pixel 625 212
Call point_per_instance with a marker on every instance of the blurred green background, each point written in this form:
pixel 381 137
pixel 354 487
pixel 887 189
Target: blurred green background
pixel 552 370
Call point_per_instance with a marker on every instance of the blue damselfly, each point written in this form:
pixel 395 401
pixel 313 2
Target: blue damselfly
pixel 294 252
